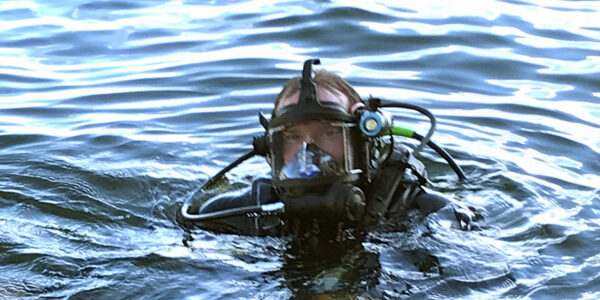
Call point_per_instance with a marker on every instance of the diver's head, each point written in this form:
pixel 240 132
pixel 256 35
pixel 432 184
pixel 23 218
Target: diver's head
pixel 316 150
pixel 317 131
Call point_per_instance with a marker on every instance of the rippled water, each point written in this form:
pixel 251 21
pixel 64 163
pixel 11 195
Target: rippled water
pixel 113 112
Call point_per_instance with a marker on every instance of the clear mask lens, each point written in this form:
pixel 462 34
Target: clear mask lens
pixel 312 149
pixel 330 138
pixel 309 162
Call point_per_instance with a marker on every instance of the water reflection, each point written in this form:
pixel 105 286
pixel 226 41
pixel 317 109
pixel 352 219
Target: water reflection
pixel 112 112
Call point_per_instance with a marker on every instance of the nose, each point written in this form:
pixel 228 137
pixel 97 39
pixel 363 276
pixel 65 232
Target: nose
pixel 308 138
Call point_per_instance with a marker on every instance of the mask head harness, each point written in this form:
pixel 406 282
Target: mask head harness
pixel 309 107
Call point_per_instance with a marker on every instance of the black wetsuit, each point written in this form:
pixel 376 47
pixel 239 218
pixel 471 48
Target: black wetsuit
pixel 397 187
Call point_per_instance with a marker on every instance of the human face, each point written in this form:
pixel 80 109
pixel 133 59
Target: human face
pixel 329 138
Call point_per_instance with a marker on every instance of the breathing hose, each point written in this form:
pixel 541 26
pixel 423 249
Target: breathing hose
pixel 374 122
pixel 228 168
pixel 433 122
pixel 270 208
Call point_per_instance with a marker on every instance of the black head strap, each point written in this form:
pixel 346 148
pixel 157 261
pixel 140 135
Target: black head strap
pixel 308 89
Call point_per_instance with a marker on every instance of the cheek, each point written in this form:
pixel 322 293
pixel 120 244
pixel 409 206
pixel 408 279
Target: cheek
pixel 287 157
pixel 339 156
pixel 335 149
pixel 289 152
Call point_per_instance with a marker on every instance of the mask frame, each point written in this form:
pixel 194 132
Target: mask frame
pixel 350 170
pixel 310 108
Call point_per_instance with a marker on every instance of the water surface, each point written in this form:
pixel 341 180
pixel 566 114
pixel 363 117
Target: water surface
pixel 113 112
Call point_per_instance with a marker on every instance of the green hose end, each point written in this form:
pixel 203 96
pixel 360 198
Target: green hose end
pixel 409 133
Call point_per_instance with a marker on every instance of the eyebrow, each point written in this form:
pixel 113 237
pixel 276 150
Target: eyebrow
pixel 291 130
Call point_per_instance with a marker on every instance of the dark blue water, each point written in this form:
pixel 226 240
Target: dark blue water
pixel 113 112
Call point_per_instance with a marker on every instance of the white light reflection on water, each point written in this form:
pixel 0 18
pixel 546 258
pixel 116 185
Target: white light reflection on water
pixel 531 89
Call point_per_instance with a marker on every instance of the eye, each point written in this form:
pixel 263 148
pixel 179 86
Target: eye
pixel 291 137
pixel 332 132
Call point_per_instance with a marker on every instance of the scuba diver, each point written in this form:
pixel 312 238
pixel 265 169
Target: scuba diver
pixel 337 170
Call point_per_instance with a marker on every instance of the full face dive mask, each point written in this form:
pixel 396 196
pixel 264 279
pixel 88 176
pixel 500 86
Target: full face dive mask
pixel 316 179
pixel 313 143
